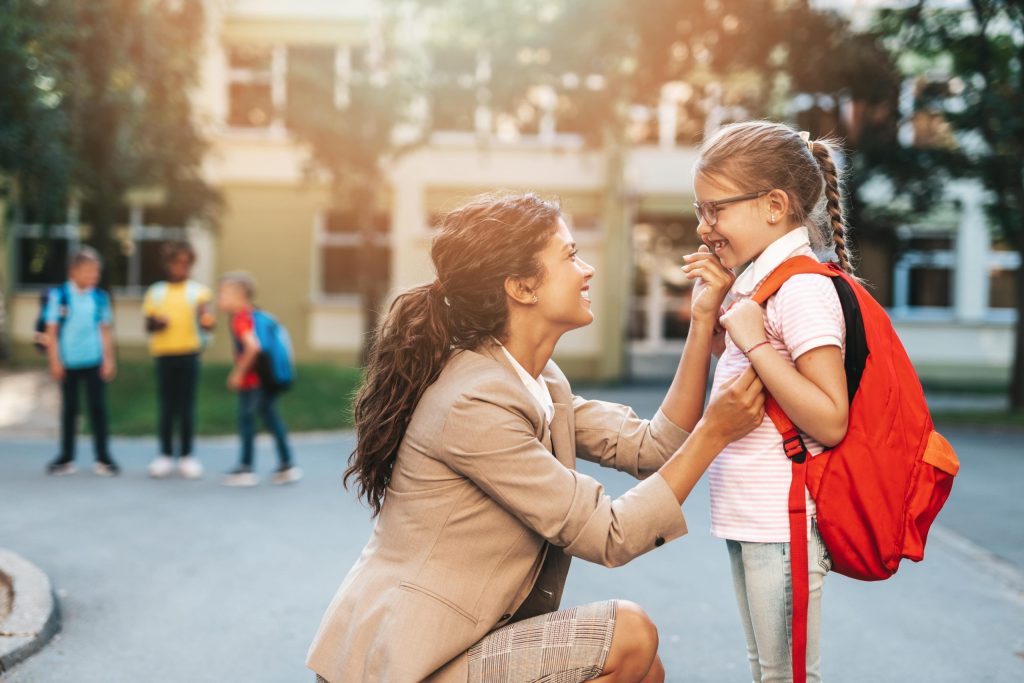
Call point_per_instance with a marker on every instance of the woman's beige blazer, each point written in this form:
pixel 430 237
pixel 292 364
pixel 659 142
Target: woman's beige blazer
pixel 483 512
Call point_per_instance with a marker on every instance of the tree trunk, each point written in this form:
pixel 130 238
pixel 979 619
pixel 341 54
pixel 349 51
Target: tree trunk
pixel 371 286
pixel 1017 378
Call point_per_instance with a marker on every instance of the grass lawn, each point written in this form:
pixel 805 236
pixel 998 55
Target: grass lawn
pixel 320 399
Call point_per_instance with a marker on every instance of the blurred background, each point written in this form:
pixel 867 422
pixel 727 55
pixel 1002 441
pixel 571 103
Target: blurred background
pixel 314 144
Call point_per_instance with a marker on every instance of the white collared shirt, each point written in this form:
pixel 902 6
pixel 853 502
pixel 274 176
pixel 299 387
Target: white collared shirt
pixel 749 480
pixel 537 387
pixel 795 242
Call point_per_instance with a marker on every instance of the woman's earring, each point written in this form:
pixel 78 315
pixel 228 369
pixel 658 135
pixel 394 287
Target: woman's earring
pixel 535 299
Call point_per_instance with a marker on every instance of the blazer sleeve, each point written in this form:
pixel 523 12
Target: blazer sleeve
pixel 491 440
pixel 613 436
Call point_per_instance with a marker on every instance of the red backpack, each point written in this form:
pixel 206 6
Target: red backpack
pixel 878 491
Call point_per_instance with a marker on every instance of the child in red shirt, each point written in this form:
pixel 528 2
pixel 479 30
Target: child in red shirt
pixel 234 297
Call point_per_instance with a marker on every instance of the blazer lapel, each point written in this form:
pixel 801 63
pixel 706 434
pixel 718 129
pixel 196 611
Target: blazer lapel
pixel 493 351
pixel 560 436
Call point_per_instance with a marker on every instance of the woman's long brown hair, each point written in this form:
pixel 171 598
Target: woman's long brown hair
pixel 479 246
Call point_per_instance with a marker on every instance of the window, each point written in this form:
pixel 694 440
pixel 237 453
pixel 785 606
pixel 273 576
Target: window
pixel 311 81
pixel 923 276
pixel 255 85
pixel 1003 269
pixel 42 258
pixel 345 253
pixel 272 86
pixel 42 255
pixel 660 310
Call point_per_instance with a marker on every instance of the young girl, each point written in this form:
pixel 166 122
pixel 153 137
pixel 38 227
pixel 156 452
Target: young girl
pixel 758 186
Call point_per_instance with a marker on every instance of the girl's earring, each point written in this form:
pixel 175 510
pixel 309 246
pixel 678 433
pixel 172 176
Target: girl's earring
pixel 772 219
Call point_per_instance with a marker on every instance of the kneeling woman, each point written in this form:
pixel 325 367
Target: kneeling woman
pixel 468 436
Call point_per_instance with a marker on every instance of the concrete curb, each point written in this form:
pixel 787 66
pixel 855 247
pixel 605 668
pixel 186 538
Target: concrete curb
pixel 35 613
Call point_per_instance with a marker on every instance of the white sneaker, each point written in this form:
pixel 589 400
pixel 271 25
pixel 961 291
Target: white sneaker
pixel 190 467
pixel 240 477
pixel 286 475
pixel 161 467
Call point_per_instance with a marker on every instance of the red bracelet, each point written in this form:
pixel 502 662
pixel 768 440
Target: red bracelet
pixel 751 349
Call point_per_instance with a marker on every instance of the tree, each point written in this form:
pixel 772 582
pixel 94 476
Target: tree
pixel 979 48
pixel 352 134
pixel 33 124
pixel 100 105
pixel 589 63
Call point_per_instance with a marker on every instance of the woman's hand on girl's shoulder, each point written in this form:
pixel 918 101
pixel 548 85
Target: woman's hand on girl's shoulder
pixel 713 282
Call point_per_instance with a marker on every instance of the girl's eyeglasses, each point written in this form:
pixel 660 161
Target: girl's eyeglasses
pixel 708 210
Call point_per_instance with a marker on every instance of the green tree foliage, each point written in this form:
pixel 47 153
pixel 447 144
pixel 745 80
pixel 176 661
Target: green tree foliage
pixel 971 59
pixel 100 105
pixel 33 118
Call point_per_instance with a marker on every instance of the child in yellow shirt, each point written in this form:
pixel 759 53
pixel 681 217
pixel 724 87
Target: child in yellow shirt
pixel 178 318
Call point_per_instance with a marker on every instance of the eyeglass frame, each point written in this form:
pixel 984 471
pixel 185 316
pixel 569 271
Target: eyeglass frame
pixel 698 207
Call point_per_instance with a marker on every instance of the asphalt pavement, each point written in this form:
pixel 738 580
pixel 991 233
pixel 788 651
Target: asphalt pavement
pixel 187 582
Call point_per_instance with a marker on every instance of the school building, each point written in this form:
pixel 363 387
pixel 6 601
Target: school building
pixel 950 289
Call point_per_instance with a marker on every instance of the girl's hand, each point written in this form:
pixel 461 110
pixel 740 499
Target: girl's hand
pixel 745 324
pixel 713 282
pixel 235 380
pixel 737 408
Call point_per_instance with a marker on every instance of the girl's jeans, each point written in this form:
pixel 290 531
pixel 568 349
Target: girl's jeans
pixel 760 574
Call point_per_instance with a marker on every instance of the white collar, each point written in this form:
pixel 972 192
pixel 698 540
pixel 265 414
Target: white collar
pixel 537 387
pixel 795 241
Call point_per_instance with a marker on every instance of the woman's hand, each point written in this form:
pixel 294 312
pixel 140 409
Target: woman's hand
pixel 744 322
pixel 713 282
pixel 737 408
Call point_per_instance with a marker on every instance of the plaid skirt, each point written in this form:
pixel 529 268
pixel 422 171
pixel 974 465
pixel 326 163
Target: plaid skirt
pixel 568 646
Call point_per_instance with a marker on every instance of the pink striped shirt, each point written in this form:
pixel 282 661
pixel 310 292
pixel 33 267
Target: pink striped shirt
pixel 750 479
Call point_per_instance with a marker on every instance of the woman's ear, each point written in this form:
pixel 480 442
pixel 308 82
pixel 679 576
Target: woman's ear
pixel 777 205
pixel 521 291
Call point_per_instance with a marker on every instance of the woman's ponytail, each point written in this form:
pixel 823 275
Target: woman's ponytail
pixel 478 247
pixel 408 351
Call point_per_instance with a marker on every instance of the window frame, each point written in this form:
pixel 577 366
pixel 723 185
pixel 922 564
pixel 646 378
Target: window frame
pixel 322 238
pixel 72 232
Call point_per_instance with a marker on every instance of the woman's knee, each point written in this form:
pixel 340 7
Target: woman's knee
pixel 635 644
pixel 638 625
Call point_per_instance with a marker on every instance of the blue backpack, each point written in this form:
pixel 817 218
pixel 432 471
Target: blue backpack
pixel 276 364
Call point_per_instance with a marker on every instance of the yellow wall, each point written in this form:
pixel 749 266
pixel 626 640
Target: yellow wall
pixel 267 231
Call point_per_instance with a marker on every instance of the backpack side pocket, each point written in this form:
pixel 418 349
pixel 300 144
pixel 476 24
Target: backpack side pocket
pixel 930 487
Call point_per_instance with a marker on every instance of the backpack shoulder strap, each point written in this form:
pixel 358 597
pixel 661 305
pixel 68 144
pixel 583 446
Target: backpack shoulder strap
pixel 102 300
pixel 157 292
pixel 798 265
pixel 63 303
pixel 192 289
